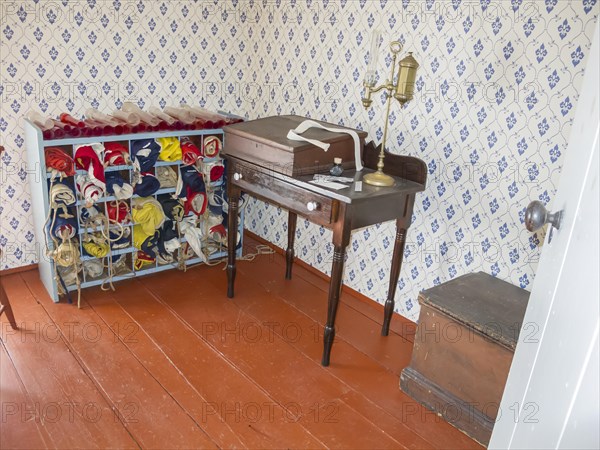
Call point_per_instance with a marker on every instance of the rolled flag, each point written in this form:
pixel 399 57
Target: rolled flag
pixel 212 146
pixel 89 189
pixel 167 177
pixel 69 274
pixel 69 119
pixel 89 157
pixel 193 235
pixel 87 214
pixel 67 254
pixel 147 185
pixel 62 193
pixel 130 107
pixel 119 265
pixel 116 154
pixel 93 268
pixel 156 112
pixel 148 214
pixel 172 208
pixel 115 185
pixel 212 172
pixel 57 159
pixel 215 200
pixel 216 229
pixel 168 240
pixel 63 228
pixel 149 244
pixel 104 119
pixel 170 149
pixel 142 259
pixel 144 153
pixel 195 202
pixel 139 235
pixel 190 153
pixel 218 233
pixel 180 114
pixel 96 245
pixel 165 258
pixel 120 238
pixel 189 177
pixel 117 211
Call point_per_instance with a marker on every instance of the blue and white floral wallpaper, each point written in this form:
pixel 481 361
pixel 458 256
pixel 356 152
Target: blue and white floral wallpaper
pixel 496 93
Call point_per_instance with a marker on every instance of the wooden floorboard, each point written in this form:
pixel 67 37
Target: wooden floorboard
pixel 145 407
pixel 72 411
pixel 289 377
pixel 225 393
pixel 170 362
pixel 351 366
pixel 392 352
pixel 354 299
pixel 18 418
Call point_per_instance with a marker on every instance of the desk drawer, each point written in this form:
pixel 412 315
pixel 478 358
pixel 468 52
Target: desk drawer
pixel 263 184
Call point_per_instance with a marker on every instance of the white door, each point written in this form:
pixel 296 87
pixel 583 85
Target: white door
pixel 551 396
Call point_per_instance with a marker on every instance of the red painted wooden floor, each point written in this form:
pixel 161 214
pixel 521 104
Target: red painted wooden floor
pixel 167 361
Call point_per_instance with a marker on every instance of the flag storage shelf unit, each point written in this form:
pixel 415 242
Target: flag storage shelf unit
pixel 39 182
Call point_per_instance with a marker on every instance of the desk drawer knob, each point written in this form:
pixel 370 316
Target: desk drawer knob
pixel 237 176
pixel 312 206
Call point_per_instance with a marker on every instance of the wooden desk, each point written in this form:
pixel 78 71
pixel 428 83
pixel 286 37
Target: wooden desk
pixel 342 211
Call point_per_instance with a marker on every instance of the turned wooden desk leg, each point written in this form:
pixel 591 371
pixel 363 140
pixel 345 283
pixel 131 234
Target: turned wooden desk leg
pixel 289 253
pixel 232 225
pixel 394 274
pixel 6 308
pixel 335 286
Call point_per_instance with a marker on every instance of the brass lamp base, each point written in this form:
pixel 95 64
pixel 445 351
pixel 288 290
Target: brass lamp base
pixel 378 179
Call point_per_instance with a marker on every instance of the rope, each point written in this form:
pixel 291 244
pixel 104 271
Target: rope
pixel 64 254
pixel 260 249
pixel 107 235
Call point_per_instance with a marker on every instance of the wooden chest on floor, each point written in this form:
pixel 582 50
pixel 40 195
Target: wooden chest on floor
pixel 463 348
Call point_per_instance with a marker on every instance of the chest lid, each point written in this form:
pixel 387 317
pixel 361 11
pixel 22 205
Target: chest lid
pixel 491 306
pixel 273 131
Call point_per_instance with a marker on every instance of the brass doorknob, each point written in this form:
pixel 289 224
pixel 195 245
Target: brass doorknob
pixel 536 216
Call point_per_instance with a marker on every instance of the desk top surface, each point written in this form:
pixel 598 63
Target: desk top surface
pixel 349 195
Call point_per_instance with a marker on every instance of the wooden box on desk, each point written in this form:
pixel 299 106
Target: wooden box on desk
pixel 464 345
pixel 264 142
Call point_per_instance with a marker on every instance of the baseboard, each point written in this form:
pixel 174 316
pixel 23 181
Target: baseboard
pixel 18 270
pixel 399 324
pixel 455 411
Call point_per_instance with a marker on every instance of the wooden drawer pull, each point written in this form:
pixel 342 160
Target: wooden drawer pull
pixel 312 206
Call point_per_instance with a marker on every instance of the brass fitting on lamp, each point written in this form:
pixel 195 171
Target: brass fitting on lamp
pixel 403 91
pixel 366 101
pixel 407 74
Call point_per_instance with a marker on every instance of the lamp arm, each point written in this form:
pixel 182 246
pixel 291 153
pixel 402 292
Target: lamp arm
pixel 387 85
